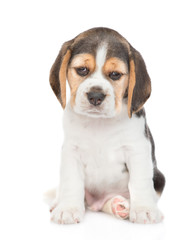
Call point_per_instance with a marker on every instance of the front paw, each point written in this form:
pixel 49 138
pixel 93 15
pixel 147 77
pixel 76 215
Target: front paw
pixel 145 215
pixel 62 214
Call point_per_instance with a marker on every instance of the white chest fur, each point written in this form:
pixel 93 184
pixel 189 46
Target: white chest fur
pixel 103 147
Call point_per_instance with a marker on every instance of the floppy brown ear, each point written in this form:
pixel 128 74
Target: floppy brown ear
pixel 139 88
pixel 58 71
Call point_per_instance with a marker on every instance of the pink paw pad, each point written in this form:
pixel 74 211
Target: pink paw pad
pixel 120 207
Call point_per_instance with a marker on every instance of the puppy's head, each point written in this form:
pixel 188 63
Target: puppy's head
pixel 102 70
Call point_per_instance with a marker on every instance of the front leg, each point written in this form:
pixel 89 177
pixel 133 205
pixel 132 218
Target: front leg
pixel 68 206
pixel 143 198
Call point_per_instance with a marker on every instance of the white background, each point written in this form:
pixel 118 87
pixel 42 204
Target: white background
pixel 32 33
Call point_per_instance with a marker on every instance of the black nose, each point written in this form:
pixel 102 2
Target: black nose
pixel 95 98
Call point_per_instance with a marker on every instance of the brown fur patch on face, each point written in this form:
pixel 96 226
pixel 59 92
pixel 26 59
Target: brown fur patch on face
pixel 116 65
pixel 80 60
pixel 119 89
pixel 83 60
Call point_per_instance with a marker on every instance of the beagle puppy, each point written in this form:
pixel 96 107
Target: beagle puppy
pixel 108 158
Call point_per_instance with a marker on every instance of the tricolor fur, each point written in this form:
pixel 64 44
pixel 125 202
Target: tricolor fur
pixel 108 148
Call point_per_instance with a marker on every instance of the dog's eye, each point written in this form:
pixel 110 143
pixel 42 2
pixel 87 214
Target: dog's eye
pixel 82 71
pixel 115 76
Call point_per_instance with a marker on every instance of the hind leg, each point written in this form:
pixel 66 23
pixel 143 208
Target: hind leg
pixel 117 206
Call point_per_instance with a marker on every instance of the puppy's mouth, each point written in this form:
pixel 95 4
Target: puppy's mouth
pixel 94 111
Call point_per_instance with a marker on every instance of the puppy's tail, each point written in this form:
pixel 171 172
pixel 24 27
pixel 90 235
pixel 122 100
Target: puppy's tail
pixel 49 196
